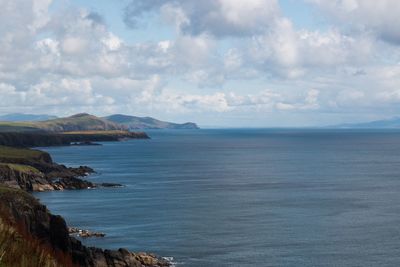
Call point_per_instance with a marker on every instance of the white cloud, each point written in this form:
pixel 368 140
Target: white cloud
pixel 292 53
pixel 377 17
pixel 74 45
pixel 218 61
pixel 216 17
pixel 112 42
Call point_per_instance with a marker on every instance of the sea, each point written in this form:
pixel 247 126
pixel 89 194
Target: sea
pixel 243 197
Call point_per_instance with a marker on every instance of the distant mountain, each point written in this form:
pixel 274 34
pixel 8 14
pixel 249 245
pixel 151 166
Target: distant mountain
pixel 26 117
pixel 78 122
pixel 384 124
pixel 87 122
pixel 133 122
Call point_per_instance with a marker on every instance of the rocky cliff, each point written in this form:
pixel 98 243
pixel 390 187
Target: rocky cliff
pixel 34 170
pixel 38 139
pixel 35 222
pixel 22 177
pixel 29 232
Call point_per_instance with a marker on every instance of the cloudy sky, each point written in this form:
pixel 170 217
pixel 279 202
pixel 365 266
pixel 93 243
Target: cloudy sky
pixel 230 63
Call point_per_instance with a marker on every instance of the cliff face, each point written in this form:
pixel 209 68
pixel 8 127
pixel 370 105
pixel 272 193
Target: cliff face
pixel 34 170
pixel 24 210
pixel 30 235
pixel 30 139
pixel 30 181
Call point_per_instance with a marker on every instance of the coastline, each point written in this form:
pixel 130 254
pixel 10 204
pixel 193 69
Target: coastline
pixel 35 171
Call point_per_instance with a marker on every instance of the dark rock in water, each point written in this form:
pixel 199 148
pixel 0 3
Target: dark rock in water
pixel 85 143
pixel 72 183
pixel 81 171
pixel 110 185
pixel 84 233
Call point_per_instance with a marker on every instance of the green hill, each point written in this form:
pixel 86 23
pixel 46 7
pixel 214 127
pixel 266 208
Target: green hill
pixel 78 122
pixel 133 122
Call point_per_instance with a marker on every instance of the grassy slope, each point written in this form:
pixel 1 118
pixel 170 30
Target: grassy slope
pixel 18 248
pixel 21 168
pixel 134 122
pixel 6 126
pixel 112 132
pixel 78 122
pixel 11 152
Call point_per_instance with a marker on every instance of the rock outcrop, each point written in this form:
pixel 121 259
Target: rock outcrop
pixel 25 170
pixel 34 170
pixel 74 231
pixel 64 179
pixel 42 139
pixel 24 210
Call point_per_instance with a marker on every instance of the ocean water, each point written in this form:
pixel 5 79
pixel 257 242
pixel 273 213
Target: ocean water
pixel 243 197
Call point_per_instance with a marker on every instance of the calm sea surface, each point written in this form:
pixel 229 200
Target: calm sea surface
pixel 243 197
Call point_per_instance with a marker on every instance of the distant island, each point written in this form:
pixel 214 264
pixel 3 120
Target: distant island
pixel 393 123
pixel 84 122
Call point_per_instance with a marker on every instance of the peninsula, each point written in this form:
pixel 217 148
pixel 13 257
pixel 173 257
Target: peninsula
pixel 30 235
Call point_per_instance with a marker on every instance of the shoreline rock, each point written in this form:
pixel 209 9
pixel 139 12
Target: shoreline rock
pixel 22 209
pixel 45 139
pixel 35 171
pixel 85 143
pixel 112 185
pixel 74 231
pixel 61 179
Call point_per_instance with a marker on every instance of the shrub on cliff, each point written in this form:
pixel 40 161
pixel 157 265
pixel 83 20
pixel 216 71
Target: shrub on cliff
pixel 18 248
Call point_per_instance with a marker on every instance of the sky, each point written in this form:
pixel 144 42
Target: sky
pixel 219 63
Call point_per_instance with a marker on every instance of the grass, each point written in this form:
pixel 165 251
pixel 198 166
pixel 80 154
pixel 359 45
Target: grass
pixel 115 132
pixel 79 121
pixel 11 152
pixel 8 194
pixel 15 250
pixel 17 247
pixel 21 168
pixel 17 124
pixel 6 126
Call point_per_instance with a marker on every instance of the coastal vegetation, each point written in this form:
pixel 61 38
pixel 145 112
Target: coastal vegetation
pixel 7 152
pixel 78 122
pixel 21 168
pixel 41 139
pixel 86 122
pixel 134 123
pixel 18 248
pixel 30 235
